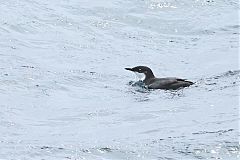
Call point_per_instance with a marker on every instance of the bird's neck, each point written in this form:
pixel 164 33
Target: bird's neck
pixel 148 76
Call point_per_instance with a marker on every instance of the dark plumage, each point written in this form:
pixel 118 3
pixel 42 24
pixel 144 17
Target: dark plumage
pixel 152 82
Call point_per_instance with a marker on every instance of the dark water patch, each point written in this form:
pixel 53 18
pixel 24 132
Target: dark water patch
pixel 142 99
pixel 205 32
pixel 205 151
pixel 70 152
pixel 85 150
pixel 27 66
pixel 195 39
pixel 175 137
pixel 227 74
pixel 50 148
pixel 220 82
pixel 105 149
pixel 210 132
pixel 226 30
pixel 233 29
pixel 165 158
pixel 167 139
pixel 233 148
pixel 209 1
pixel 46 147
pixel 197 148
pixel 234 26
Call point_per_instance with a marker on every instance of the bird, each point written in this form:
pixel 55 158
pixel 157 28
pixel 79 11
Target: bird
pixel 151 82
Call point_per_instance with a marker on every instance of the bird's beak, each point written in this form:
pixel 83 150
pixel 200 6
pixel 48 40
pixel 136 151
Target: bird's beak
pixel 129 69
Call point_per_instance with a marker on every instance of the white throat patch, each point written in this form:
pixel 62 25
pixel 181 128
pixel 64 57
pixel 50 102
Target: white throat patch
pixel 140 76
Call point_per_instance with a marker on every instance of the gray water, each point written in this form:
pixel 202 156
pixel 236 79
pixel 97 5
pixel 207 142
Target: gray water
pixel 65 95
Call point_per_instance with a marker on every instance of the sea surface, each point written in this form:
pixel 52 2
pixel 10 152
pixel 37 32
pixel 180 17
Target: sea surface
pixel 64 93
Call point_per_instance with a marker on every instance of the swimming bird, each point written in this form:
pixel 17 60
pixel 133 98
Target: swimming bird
pixel 151 82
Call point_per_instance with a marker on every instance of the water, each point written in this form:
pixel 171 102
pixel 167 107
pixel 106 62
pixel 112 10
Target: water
pixel 65 94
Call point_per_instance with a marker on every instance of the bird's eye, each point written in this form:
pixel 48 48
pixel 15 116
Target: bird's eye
pixel 140 69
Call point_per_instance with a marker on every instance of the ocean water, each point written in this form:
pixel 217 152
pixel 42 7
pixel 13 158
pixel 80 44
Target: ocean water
pixel 64 93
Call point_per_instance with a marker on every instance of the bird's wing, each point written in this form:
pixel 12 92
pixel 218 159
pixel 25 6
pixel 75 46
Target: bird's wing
pixel 169 83
pixel 162 83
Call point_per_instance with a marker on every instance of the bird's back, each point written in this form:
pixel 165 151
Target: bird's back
pixel 167 83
